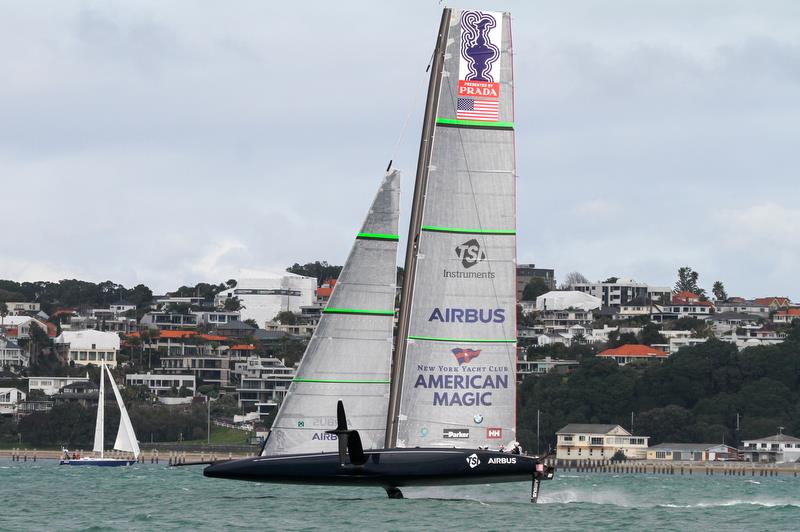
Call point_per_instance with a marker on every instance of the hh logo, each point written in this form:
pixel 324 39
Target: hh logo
pixel 473 461
pixel 494 434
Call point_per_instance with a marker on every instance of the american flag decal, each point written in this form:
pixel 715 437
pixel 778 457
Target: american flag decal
pixel 476 109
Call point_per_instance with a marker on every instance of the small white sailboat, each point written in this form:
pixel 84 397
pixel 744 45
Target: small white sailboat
pixel 126 437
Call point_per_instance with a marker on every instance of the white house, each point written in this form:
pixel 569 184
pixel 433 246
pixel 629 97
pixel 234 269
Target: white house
pixel 263 298
pixel 567 299
pixel 11 355
pixel 52 385
pixel 161 384
pixel 17 308
pixel 9 399
pixel 90 347
pixel 778 448
pixel 20 326
pixel 589 441
pixel 623 290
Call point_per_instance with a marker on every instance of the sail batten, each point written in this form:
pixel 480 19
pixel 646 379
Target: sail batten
pixel 349 355
pixel 457 343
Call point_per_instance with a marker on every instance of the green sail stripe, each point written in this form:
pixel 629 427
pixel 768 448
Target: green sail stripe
pixel 438 229
pixel 462 340
pixel 358 311
pixel 474 123
pixel 340 381
pixel 377 236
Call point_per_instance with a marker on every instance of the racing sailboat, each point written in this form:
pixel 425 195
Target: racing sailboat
pixel 435 409
pixel 126 437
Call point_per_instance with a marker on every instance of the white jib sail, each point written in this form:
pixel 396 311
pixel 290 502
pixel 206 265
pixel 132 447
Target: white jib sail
pixel 100 426
pixel 126 437
pixel 349 356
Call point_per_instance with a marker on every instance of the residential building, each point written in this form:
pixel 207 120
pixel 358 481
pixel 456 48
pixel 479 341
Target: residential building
pixel 22 308
pixel 264 383
pixel 161 384
pixel 786 316
pixel 724 322
pixel 215 369
pixel 121 308
pixel 543 366
pixel 262 299
pixel 527 272
pixel 685 297
pixel 214 318
pixel 324 292
pixel 11 355
pixel 19 327
pixel 161 302
pixel 298 329
pixel 52 385
pixel 164 320
pixel 589 441
pixel 677 340
pixel 699 309
pixel 85 393
pixel 561 320
pixel 625 354
pixel 9 399
pixel 623 291
pixel 638 306
pixel 90 347
pixel 778 448
pixel 236 330
pixel 182 343
pixel 692 452
pixel 567 299
pixel 743 306
pixel 774 303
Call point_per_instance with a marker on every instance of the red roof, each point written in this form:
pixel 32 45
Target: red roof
pixel 685 296
pixel 213 337
pixel 790 312
pixel 780 301
pixel 324 291
pixel 633 350
pixel 184 334
pixel 244 347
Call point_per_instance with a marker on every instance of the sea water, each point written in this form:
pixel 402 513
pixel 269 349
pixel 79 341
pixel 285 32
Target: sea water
pixel 46 496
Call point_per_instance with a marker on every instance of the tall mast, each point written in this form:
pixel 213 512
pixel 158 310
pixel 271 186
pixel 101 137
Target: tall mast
pixel 415 224
pixel 99 428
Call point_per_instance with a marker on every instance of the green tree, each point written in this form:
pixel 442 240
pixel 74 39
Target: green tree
pixel 320 270
pixel 688 281
pixel 719 291
pixel 286 317
pixel 232 304
pixel 534 289
pixel 650 334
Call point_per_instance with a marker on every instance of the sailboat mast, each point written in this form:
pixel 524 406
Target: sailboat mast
pixel 415 224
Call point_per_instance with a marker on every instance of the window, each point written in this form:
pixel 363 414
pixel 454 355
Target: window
pixel 567 438
pixel 92 355
pixel 661 454
pixel 596 441
pixel 110 356
pixel 581 438
pixel 83 355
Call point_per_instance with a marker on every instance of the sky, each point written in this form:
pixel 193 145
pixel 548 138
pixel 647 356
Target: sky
pixel 171 143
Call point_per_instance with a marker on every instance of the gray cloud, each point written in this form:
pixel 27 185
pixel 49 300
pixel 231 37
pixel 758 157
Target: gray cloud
pixel 171 143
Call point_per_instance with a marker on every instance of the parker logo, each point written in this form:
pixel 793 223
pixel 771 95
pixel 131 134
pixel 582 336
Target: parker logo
pixel 503 460
pixel 470 253
pixel 473 461
pixel 455 434
pixel 494 434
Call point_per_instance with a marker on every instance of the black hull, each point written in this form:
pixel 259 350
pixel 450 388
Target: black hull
pixel 388 468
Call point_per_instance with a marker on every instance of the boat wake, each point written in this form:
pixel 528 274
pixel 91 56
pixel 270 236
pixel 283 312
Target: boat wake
pixel 775 503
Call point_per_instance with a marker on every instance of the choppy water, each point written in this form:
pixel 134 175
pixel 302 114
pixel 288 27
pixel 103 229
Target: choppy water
pixel 45 496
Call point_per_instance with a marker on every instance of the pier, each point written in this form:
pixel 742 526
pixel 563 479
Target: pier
pixel 661 467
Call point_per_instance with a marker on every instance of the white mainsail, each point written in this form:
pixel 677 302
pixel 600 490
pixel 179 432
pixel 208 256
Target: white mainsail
pixel 100 425
pixel 456 374
pixel 126 437
pixel 349 356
